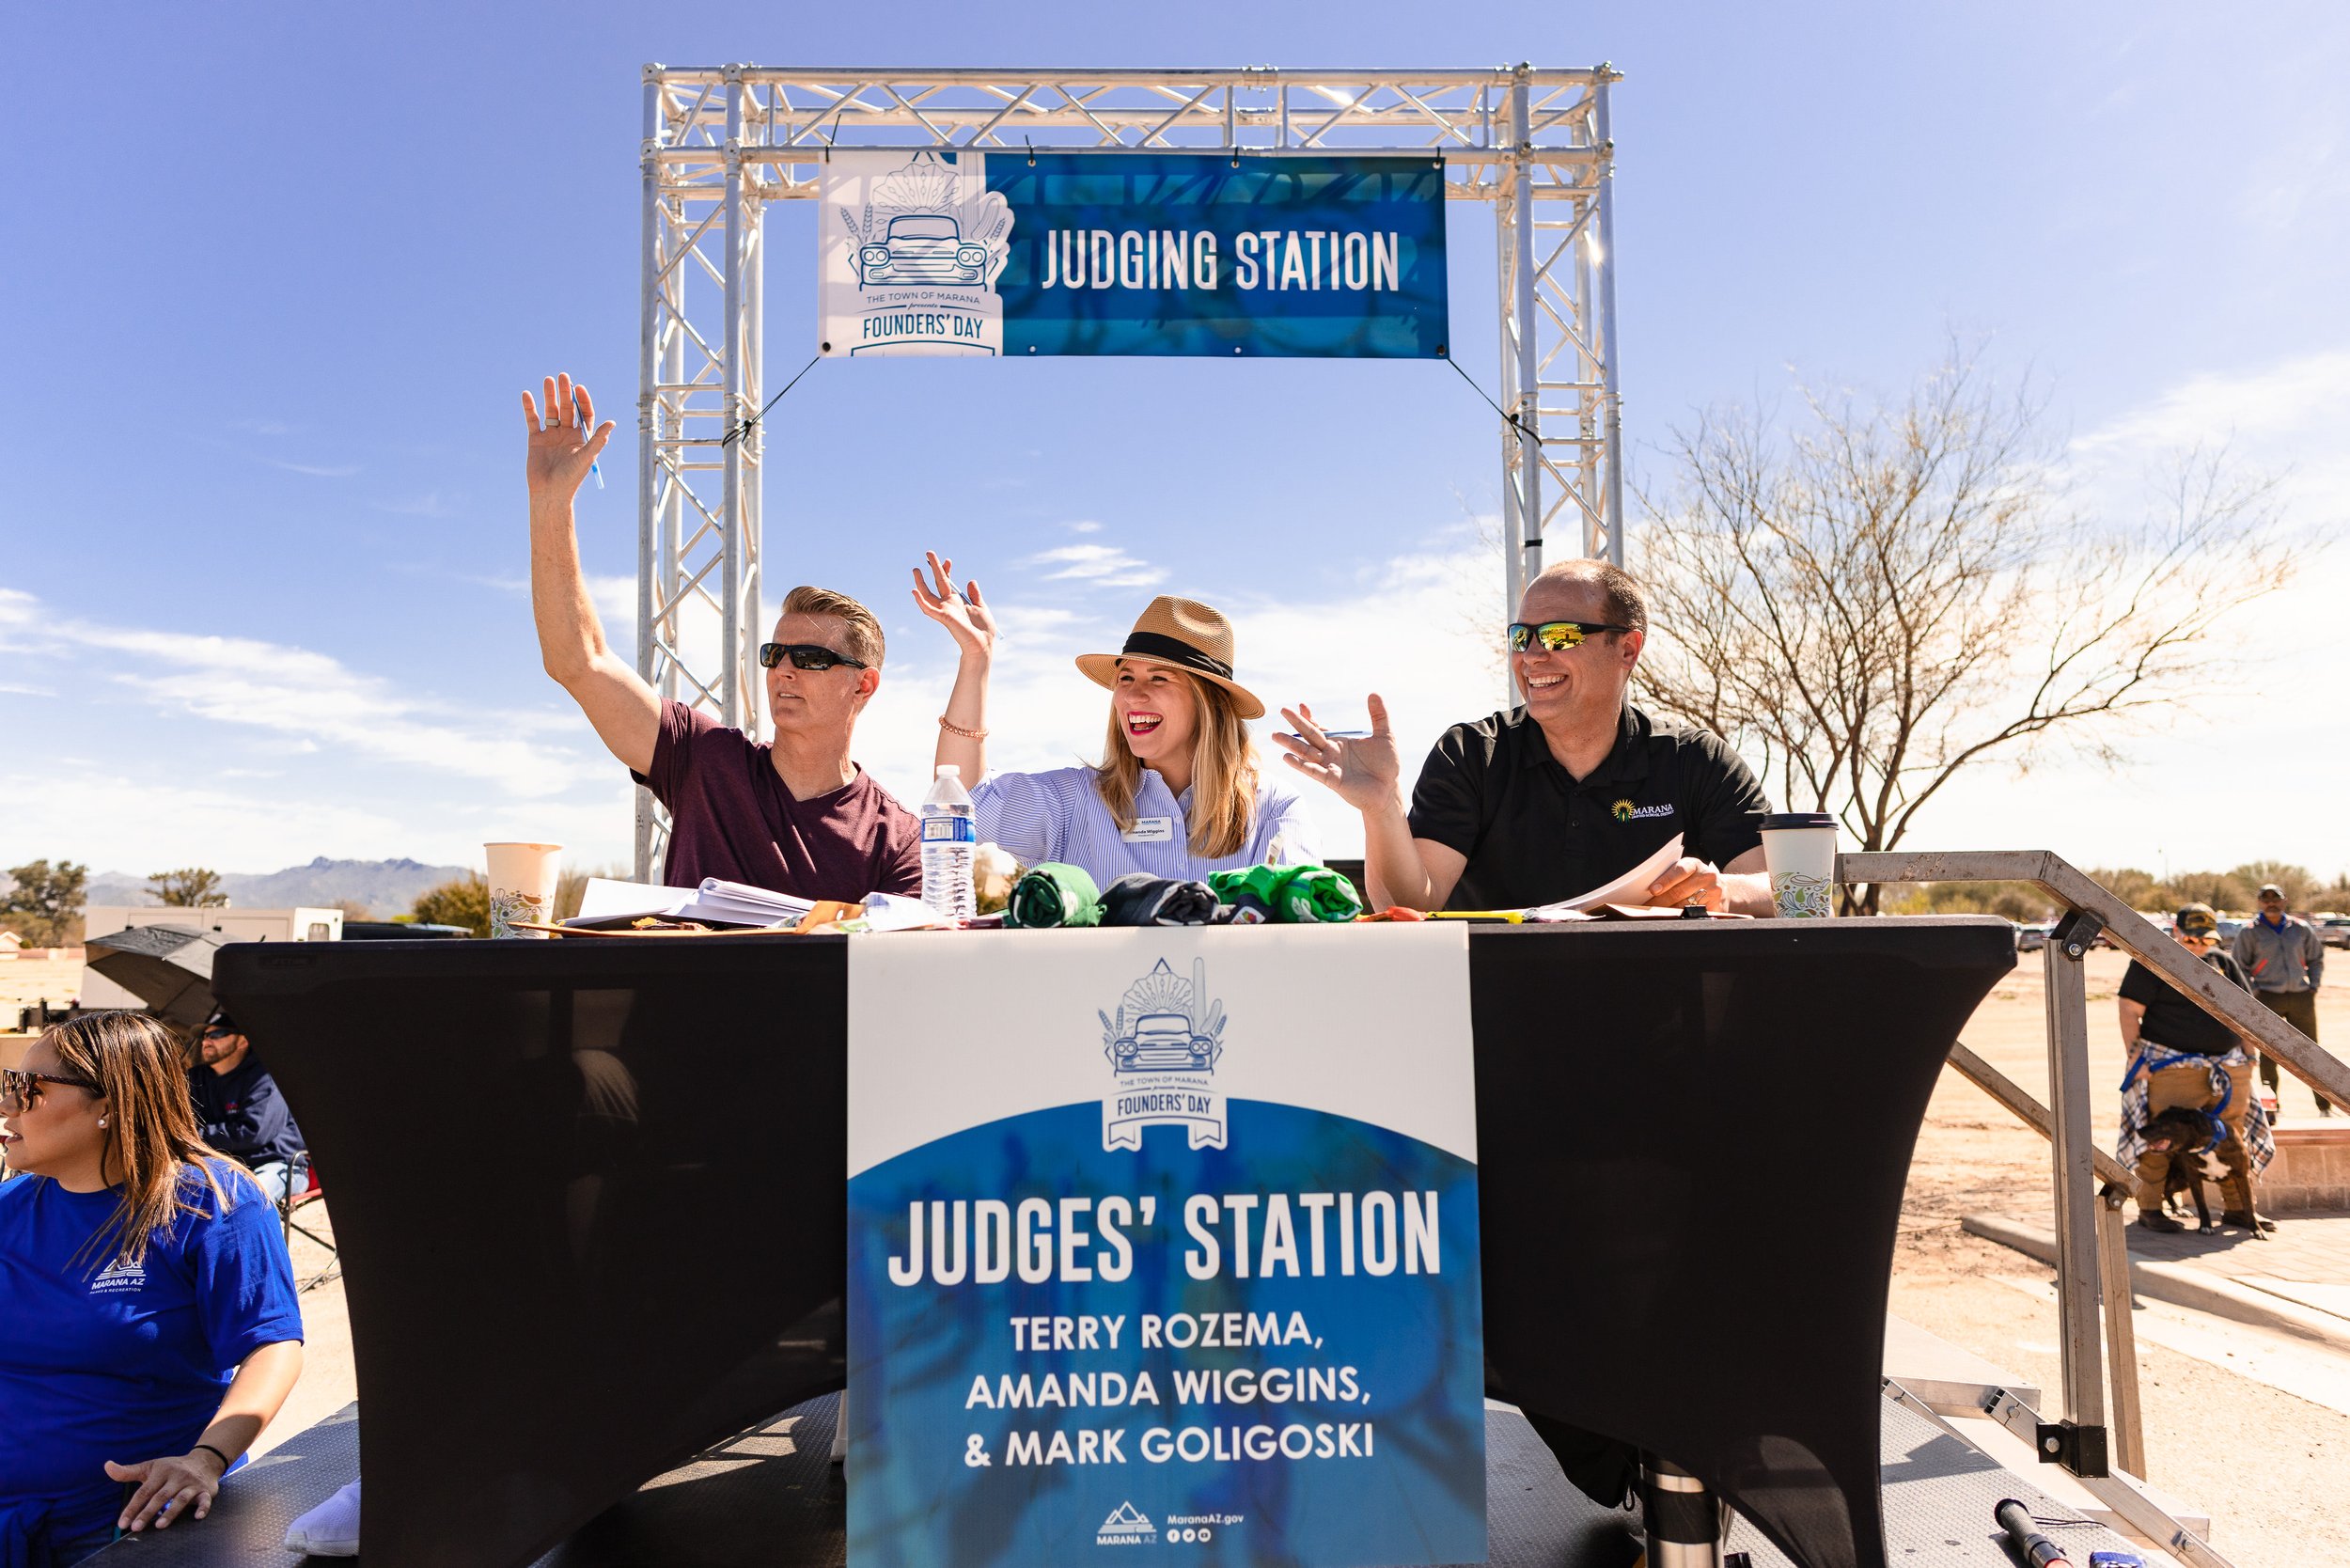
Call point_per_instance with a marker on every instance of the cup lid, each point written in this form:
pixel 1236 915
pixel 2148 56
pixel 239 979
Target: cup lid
pixel 1779 820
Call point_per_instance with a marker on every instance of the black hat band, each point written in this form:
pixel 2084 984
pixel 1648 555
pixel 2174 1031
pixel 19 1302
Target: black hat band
pixel 1150 645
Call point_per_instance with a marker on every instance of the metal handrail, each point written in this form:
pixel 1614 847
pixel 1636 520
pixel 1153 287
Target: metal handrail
pixel 2130 932
pixel 2091 1259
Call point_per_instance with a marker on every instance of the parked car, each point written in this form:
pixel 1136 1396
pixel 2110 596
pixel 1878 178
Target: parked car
pixel 2333 930
pixel 2031 937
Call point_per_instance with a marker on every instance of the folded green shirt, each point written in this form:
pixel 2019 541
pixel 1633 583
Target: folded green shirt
pixel 1054 894
pixel 1297 895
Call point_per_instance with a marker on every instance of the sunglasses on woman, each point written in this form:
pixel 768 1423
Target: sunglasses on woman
pixel 19 1090
pixel 1556 637
pixel 804 656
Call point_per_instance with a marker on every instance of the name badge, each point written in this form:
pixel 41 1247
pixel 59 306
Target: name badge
pixel 1151 830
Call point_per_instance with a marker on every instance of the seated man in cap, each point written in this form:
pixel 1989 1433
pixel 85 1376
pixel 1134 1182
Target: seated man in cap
pixel 796 815
pixel 238 1109
pixel 2181 1057
pixel 1558 796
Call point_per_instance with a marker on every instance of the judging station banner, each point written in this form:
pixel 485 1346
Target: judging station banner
pixel 1163 1245
pixel 1132 253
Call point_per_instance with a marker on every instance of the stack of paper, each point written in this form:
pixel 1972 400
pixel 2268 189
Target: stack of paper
pixel 1630 889
pixel 737 904
pixel 607 902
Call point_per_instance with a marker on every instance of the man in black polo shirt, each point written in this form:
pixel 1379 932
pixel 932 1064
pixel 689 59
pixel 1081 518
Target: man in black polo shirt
pixel 1561 795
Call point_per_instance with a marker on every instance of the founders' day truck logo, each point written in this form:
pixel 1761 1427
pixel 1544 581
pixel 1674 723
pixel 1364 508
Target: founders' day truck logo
pixel 1163 1046
pixel 912 248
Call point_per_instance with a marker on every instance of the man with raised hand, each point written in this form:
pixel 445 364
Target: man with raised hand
pixel 1561 795
pixel 796 815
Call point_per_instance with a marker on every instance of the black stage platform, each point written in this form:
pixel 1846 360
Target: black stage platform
pixel 590 1222
pixel 768 1497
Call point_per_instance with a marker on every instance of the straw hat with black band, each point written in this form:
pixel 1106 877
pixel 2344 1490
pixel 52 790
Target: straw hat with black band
pixel 1186 635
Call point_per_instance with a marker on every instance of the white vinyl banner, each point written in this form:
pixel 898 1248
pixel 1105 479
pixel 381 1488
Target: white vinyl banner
pixel 1368 1022
pixel 909 245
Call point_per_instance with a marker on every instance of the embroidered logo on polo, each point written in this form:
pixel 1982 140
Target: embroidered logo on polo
pixel 1624 812
pixel 119 1277
pixel 1162 1047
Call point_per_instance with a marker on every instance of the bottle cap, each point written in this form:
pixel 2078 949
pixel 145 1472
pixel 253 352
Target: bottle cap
pixel 951 770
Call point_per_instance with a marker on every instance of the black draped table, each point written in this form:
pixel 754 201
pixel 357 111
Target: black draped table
pixel 591 1201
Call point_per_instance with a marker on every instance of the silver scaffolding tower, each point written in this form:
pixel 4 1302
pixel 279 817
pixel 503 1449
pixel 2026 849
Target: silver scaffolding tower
pixel 722 142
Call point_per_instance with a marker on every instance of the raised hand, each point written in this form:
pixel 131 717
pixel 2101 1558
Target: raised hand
pixel 564 445
pixel 963 612
pixel 1363 769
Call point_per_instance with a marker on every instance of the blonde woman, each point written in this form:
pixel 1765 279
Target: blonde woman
pixel 1178 791
pixel 152 1329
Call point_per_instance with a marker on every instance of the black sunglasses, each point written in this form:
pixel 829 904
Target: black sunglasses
pixel 1556 637
pixel 805 655
pixel 19 1088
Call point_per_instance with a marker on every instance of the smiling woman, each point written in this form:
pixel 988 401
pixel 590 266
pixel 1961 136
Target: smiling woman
pixel 151 1326
pixel 1178 793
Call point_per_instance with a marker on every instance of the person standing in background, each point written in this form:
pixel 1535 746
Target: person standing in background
pixel 2286 960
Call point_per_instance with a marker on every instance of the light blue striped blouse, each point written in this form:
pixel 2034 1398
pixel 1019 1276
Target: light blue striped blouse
pixel 1061 816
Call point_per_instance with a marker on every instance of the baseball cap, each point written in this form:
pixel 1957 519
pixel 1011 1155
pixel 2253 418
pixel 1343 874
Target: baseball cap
pixel 2195 919
pixel 2268 887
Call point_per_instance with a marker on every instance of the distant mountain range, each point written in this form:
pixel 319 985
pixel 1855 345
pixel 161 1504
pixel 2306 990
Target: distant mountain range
pixel 386 888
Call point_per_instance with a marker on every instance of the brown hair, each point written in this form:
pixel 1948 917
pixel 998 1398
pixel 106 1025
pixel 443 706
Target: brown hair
pixel 1223 773
pixel 864 631
pixel 152 1143
pixel 1628 602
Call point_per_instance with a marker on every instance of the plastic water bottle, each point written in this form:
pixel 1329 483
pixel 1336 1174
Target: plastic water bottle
pixel 949 837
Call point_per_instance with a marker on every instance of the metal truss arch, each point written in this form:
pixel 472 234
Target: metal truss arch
pixel 722 142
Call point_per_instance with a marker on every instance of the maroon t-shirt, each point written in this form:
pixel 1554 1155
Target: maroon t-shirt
pixel 731 817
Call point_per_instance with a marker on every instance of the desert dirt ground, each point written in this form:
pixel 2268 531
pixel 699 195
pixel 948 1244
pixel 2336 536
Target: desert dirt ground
pixel 2262 1463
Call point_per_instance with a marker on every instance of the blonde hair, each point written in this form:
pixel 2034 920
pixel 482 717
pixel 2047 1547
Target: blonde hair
pixel 152 1143
pixel 865 629
pixel 1223 772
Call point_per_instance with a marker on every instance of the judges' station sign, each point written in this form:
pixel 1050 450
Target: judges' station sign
pixel 1164 1242
pixel 1132 253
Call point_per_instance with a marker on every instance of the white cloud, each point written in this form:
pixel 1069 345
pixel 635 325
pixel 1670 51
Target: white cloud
pixel 316 471
pixel 1102 565
pixel 306 700
pixel 1083 527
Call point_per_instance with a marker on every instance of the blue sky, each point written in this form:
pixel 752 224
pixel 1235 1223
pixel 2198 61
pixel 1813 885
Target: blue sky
pixel 281 270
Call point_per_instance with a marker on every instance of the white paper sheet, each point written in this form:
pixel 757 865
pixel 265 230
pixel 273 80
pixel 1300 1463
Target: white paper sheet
pixel 1630 887
pixel 607 898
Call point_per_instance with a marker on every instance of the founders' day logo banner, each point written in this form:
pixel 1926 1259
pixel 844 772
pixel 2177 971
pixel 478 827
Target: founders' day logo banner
pixel 1163 1247
pixel 1132 253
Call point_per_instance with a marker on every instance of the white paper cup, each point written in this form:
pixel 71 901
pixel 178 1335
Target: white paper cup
pixel 522 886
pixel 1799 847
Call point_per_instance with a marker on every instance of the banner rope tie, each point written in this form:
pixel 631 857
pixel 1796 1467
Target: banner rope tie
pixel 743 428
pixel 1510 419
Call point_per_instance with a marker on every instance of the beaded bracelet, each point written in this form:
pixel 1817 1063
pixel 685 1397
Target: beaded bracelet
pixel 959 730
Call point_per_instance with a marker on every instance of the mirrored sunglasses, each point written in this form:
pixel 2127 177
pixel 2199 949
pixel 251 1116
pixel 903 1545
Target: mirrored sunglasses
pixel 804 656
pixel 1556 637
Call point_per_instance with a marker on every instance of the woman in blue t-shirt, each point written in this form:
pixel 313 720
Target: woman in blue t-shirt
pixel 151 1326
